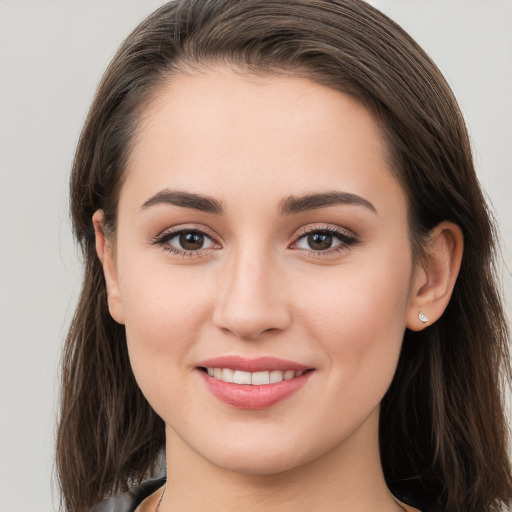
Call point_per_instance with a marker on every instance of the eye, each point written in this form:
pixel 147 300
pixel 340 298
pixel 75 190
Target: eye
pixel 326 240
pixel 190 241
pixel 318 241
pixel 185 242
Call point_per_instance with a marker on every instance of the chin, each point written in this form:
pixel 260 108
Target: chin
pixel 262 458
pixel 260 466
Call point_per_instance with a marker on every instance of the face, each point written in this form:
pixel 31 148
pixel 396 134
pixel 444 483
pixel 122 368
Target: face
pixel 262 239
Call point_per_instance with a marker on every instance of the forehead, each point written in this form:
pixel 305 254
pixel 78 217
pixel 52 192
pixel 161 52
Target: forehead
pixel 221 131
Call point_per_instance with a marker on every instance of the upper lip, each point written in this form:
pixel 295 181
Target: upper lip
pixel 258 364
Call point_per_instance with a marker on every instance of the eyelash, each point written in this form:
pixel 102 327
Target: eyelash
pixel 163 239
pixel 346 240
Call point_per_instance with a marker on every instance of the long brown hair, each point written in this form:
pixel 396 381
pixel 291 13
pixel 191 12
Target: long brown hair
pixel 443 433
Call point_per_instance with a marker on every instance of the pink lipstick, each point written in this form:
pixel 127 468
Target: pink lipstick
pixel 253 383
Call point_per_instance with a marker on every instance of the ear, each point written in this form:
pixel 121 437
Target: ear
pixel 434 278
pixel 105 251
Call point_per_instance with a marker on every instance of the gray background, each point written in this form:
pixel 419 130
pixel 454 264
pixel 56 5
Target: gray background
pixel 52 54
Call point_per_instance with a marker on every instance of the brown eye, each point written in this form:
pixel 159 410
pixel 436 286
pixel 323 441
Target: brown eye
pixel 324 240
pixel 320 241
pixel 191 241
pixel 186 241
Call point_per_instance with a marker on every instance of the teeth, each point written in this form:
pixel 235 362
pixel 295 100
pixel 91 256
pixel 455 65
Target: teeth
pixel 240 377
pixel 275 376
pixel 255 378
pixel 259 378
pixel 227 375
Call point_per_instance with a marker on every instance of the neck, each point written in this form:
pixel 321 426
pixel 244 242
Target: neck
pixel 346 478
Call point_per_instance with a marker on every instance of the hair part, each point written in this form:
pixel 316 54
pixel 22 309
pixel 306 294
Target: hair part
pixel 443 433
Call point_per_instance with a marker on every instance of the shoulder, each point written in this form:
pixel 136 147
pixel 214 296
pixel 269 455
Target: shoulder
pixel 129 501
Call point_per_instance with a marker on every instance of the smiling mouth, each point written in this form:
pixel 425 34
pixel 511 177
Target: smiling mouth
pixel 261 378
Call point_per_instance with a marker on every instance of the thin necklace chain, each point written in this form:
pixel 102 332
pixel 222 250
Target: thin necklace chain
pixel 400 506
pixel 402 509
pixel 161 498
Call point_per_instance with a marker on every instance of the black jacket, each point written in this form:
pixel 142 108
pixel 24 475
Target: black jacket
pixel 129 501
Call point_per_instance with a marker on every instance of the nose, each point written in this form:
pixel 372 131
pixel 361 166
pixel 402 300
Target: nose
pixel 252 298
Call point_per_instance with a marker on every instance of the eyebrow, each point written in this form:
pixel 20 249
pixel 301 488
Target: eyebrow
pixel 293 205
pixel 185 200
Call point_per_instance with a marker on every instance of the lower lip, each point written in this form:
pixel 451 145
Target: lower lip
pixel 246 396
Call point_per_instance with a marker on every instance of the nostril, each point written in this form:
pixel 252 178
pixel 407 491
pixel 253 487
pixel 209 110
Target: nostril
pixel 251 309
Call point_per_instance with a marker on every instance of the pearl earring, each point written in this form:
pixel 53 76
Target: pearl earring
pixel 423 318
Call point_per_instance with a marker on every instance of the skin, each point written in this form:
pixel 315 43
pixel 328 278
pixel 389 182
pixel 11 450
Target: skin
pixel 258 287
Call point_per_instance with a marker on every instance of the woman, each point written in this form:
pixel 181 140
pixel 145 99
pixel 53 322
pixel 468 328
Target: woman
pixel 289 278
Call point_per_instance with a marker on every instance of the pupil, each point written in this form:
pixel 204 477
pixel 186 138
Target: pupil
pixel 320 241
pixel 191 241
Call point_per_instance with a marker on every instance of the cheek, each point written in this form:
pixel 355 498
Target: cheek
pixel 164 314
pixel 358 318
